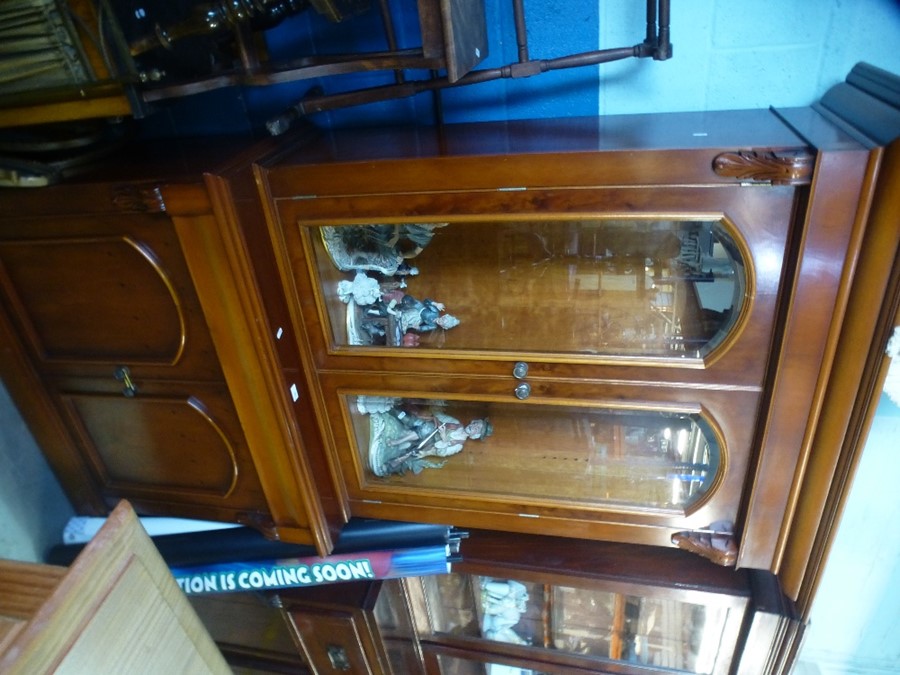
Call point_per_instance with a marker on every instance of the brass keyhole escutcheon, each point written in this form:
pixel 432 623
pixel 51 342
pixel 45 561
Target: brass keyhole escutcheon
pixel 338 657
pixel 123 375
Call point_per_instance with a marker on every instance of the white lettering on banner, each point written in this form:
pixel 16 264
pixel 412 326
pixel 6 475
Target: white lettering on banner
pixel 342 571
pixel 278 576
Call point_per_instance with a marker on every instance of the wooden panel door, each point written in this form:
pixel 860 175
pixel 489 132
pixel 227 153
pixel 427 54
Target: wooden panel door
pixel 168 443
pixel 104 308
pixel 91 293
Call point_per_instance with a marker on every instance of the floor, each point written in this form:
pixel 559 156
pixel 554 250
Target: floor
pixel 33 508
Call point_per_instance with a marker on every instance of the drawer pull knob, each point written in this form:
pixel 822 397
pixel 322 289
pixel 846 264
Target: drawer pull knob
pixel 523 391
pixel 520 370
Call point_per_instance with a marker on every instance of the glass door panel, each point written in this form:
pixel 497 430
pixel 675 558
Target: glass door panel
pixel 597 624
pixel 660 632
pixel 619 288
pixel 653 459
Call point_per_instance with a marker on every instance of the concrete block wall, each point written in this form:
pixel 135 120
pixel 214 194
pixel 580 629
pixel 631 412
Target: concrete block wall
pixel 754 54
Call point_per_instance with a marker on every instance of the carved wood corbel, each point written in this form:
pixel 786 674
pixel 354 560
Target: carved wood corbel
pixel 145 199
pixel 261 522
pixel 715 543
pixel 777 167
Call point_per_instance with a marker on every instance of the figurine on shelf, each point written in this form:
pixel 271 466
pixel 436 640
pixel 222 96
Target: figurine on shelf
pixel 376 404
pixel 378 248
pixel 503 603
pixel 363 290
pixel 401 440
pixel 418 315
pixel 382 313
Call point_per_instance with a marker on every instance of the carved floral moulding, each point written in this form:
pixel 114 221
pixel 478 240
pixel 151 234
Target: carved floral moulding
pixel 715 542
pixel 778 167
pixel 141 198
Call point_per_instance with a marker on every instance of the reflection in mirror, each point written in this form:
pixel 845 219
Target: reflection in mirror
pixel 634 288
pixel 626 458
pixel 597 624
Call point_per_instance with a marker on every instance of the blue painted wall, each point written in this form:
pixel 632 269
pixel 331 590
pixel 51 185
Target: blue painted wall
pixel 727 55
pixel 556 28
pixel 856 613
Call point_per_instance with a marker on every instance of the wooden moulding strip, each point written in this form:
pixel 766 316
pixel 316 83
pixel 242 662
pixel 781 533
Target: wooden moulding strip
pixel 832 231
pixel 853 391
pixel 224 283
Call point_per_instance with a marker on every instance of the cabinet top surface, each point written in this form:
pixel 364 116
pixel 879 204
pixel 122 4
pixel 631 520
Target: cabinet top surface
pixel 663 131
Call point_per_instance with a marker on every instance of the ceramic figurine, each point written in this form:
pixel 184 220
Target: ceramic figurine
pixel 376 404
pixel 401 441
pixel 363 290
pixel 370 304
pixel 377 248
pixel 503 603
pixel 420 315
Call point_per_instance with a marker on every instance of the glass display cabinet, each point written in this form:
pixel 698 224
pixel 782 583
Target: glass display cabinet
pixel 529 605
pixel 554 326
pixel 585 627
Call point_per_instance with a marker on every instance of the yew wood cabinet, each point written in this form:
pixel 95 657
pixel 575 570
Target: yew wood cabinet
pixel 616 328
pixel 606 328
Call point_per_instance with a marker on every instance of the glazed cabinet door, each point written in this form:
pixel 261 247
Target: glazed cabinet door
pixel 103 307
pixel 652 284
pixel 616 462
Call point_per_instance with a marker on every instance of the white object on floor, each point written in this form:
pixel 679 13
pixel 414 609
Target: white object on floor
pixel 80 529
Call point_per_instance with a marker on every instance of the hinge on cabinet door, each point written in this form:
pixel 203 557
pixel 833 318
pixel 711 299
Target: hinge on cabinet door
pixel 715 542
pixel 766 166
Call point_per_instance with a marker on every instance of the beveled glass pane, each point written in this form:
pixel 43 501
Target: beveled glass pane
pixel 630 458
pixel 631 288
